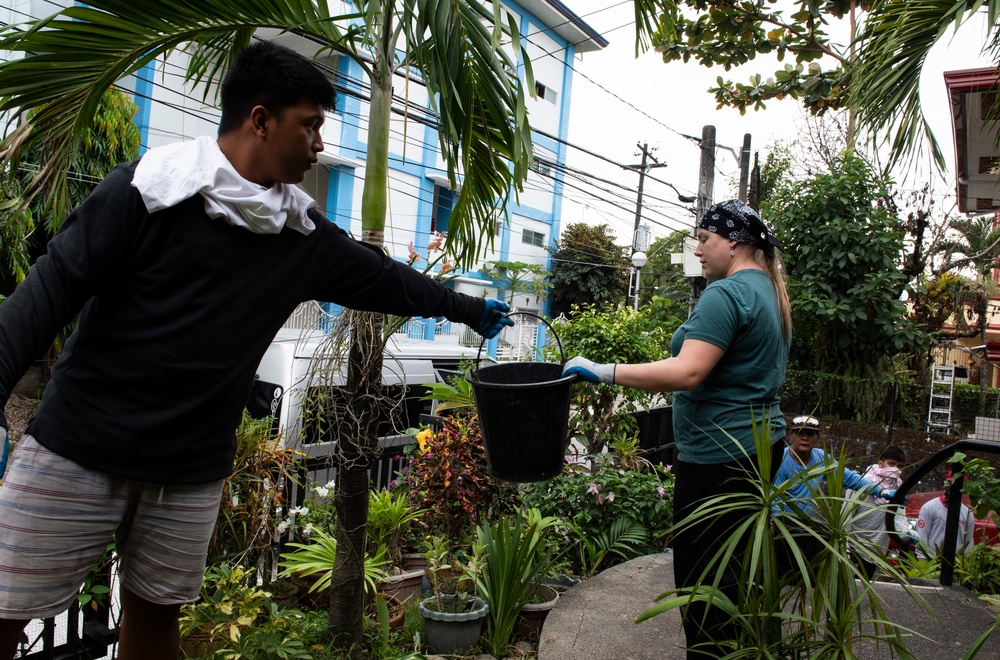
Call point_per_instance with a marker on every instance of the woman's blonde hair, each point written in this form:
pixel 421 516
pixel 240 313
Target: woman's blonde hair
pixel 773 267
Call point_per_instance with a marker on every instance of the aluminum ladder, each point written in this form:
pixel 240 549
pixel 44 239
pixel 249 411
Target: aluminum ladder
pixel 939 403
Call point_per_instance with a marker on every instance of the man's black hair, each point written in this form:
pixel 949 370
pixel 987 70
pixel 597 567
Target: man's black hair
pixel 275 77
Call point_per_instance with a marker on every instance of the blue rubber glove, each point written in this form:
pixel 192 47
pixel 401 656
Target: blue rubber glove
pixel 889 494
pixel 590 371
pixel 494 319
pixel 3 451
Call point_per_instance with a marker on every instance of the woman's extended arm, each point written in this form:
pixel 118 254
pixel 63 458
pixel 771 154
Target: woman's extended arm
pixel 686 371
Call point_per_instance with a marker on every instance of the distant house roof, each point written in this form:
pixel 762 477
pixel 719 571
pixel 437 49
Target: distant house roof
pixel 566 24
pixel 973 94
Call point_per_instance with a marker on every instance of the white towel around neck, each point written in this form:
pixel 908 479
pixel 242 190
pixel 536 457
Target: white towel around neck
pixel 168 175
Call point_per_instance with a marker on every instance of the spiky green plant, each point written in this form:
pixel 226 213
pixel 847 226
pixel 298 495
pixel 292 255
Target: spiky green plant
pixel 824 603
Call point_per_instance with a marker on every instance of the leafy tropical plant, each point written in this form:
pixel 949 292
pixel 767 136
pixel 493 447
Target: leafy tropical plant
pixel 623 539
pixel 453 574
pixel 791 604
pixel 978 569
pixel 980 483
pixel 389 518
pixel 891 53
pixel 319 556
pixel 448 480
pixel 592 503
pixel 25 227
pixel 452 396
pixel 234 618
pixel 251 496
pixel 517 560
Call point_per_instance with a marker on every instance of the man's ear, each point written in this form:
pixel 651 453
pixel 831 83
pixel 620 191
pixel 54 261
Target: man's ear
pixel 259 116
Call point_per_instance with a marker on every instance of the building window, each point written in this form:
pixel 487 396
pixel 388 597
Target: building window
pixel 541 167
pixel 533 238
pixel 444 204
pixel 546 93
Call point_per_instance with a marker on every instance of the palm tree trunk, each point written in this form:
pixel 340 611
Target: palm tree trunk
pixel 358 445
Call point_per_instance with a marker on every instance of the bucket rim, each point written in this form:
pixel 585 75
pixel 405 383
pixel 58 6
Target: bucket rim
pixel 475 381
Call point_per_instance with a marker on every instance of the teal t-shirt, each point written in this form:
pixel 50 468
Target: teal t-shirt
pixel 740 315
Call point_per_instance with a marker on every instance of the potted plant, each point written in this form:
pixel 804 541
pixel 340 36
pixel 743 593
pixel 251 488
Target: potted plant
pixel 453 616
pixel 311 564
pixel 230 602
pixel 389 518
pixel 516 561
pixel 532 616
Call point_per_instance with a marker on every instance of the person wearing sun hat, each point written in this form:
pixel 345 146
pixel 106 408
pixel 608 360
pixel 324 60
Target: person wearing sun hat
pixel 801 454
pixel 728 364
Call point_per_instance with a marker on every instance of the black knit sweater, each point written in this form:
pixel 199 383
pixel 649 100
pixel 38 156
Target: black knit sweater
pixel 177 310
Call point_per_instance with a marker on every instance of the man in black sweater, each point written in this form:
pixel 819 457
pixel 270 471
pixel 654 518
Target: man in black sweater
pixel 182 266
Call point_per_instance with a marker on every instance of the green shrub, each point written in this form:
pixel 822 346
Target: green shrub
pixel 594 500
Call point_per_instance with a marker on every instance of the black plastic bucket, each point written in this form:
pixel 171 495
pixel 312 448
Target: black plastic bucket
pixel 524 417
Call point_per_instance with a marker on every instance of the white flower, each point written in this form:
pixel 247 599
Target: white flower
pixel 322 491
pixel 299 511
pixel 330 484
pixel 283 526
pixel 307 530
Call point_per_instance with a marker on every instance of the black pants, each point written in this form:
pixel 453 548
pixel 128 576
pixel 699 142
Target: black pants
pixel 696 546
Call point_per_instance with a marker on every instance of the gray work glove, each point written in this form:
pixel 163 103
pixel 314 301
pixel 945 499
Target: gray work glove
pixel 590 371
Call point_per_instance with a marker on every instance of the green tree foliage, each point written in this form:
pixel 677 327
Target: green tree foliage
pixel 612 335
pixel 589 269
pixel 111 139
pixel 730 34
pixel 842 251
pixel 876 73
pixel 518 277
pixel 662 278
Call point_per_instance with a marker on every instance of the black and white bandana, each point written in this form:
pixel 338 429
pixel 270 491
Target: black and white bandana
pixel 737 221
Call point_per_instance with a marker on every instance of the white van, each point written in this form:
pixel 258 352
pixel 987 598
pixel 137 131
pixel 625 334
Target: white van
pixel 285 378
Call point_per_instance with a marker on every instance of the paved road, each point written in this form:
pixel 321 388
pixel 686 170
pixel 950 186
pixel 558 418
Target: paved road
pixel 594 620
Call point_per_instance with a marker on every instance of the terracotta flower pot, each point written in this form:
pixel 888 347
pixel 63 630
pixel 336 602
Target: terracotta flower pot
pixel 405 586
pixel 532 616
pixel 397 612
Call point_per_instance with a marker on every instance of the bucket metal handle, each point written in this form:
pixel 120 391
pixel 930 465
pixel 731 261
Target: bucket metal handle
pixel 562 354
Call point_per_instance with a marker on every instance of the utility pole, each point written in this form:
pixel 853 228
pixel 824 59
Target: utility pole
pixel 642 168
pixel 706 188
pixel 744 167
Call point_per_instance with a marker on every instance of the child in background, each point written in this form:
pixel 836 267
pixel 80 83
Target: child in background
pixel 870 525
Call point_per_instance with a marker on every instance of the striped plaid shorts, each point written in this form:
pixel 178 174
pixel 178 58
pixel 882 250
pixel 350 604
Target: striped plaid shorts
pixel 57 517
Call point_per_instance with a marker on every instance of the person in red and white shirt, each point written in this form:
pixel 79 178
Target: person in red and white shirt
pixel 931 525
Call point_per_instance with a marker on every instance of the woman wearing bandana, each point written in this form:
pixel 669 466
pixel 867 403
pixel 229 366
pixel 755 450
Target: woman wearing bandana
pixel 728 364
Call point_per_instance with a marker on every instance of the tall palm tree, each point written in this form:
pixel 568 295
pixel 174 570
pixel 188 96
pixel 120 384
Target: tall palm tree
pixel 892 50
pixel 460 49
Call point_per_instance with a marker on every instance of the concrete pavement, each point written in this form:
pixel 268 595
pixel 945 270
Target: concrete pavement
pixel 594 620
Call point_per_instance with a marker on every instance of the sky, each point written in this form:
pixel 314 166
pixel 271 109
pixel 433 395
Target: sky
pixel 619 101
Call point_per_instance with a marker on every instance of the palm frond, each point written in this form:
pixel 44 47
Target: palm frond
pixel 464 51
pixel 885 81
